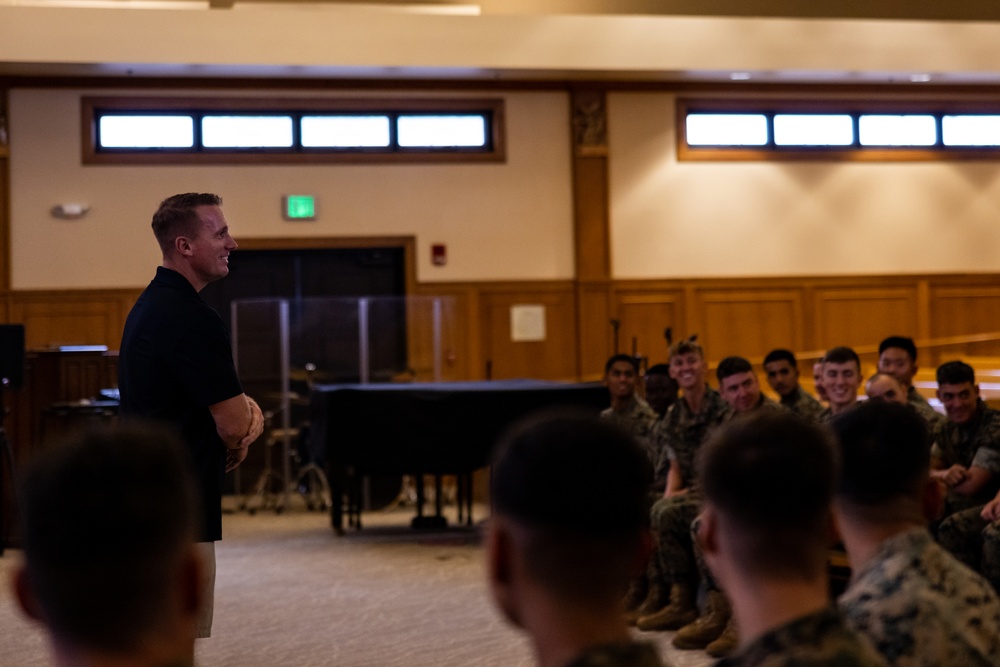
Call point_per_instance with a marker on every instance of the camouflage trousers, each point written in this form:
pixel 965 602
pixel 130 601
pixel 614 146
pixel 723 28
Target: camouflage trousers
pixel 674 524
pixel 974 541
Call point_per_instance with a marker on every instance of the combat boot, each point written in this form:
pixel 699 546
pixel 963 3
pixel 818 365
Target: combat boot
pixel 679 612
pixel 656 599
pixel 708 626
pixel 726 642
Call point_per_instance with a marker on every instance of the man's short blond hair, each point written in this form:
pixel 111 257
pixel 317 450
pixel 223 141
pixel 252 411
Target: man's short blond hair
pixel 686 346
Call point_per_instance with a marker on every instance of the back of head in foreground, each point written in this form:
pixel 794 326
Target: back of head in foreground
pixel 108 521
pixel 569 526
pixel 885 460
pixel 768 482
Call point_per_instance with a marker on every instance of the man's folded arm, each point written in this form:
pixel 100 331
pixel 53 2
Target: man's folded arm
pixel 238 420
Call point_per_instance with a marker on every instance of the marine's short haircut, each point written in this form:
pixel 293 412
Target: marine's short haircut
pixel 732 366
pixel 621 357
pixel 884 452
pixel 581 545
pixel 176 216
pixel 781 354
pixel 772 477
pixel 842 355
pixel 902 342
pixel 955 372
pixel 686 346
pixel 105 519
pixel 659 369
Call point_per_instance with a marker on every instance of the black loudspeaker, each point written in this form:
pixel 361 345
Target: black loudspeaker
pixel 12 355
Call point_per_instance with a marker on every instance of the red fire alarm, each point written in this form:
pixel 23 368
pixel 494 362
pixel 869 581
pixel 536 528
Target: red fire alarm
pixel 439 254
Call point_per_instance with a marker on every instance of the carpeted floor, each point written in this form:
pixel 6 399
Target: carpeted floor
pixel 291 593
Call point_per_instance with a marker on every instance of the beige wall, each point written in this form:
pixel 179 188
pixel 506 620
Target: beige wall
pixel 507 221
pixel 703 219
pixel 513 221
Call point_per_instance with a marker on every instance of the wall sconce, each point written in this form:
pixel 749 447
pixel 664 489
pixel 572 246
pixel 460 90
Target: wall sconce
pixel 69 211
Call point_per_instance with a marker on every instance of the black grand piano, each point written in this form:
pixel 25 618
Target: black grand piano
pixel 426 428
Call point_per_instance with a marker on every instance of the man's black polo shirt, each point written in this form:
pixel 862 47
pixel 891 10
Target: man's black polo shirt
pixel 175 361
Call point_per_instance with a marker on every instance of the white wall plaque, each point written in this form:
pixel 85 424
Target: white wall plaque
pixel 527 323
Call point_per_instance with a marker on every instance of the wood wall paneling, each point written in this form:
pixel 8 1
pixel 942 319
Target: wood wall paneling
pixel 452 359
pixel 864 315
pixel 732 316
pixel 644 317
pixel 590 205
pixel 461 345
pixel 72 317
pixel 4 213
pixel 962 311
pixel 594 328
pixel 553 358
pixel 749 323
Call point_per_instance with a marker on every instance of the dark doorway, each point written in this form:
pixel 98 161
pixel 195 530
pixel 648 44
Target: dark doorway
pixel 324 337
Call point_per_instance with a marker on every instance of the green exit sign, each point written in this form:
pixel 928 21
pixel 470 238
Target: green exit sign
pixel 299 207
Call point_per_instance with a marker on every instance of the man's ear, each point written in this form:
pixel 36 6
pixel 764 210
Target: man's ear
pixel 182 245
pixel 25 596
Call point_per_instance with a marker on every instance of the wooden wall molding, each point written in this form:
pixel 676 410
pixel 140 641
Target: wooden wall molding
pixel 71 317
pixel 745 316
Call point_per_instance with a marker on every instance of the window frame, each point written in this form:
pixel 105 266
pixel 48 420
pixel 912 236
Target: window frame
pixel 853 106
pixel 92 107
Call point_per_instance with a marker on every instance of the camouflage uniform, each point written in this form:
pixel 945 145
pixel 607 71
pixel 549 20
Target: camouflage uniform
pixel 764 405
pixel 637 418
pixel 682 433
pixel 633 654
pixel 662 464
pixel 671 521
pixel 975 443
pixel 827 415
pixel 920 607
pixel 803 404
pixel 924 409
pixel 974 541
pixel 820 639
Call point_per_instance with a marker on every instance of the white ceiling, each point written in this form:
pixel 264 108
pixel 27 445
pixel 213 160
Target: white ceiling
pixel 770 41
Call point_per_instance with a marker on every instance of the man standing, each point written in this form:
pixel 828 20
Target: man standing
pixel 918 605
pixel 768 482
pixel 897 356
pixel 176 363
pixel 557 560
pixel 782 371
